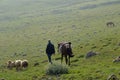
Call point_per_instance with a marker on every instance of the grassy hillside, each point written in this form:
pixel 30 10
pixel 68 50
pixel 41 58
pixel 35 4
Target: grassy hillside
pixel 26 26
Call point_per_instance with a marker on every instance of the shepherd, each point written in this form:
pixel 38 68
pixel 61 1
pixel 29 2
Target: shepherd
pixel 50 50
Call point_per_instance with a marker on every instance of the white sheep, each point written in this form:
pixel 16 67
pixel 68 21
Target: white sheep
pixel 18 64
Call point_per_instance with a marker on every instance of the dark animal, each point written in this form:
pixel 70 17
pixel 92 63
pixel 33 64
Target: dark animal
pixel 66 51
pixel 10 64
pixel 110 24
pixel 24 63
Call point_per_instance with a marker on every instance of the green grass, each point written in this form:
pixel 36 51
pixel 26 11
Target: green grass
pixel 26 25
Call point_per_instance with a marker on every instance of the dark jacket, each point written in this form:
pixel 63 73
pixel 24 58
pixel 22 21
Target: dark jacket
pixel 50 49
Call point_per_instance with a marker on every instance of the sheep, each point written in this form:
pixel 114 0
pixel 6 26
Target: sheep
pixel 18 64
pixel 24 63
pixel 10 64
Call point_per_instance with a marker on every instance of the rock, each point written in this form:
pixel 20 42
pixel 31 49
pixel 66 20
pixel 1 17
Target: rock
pixel 36 64
pixel 112 77
pixel 90 54
pixel 117 59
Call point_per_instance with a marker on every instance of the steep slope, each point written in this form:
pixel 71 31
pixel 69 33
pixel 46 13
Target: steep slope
pixel 26 25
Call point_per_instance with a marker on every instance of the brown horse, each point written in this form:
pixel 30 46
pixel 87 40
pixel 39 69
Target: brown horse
pixel 110 24
pixel 66 51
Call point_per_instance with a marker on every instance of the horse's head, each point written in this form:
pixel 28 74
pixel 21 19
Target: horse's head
pixel 59 45
pixel 69 49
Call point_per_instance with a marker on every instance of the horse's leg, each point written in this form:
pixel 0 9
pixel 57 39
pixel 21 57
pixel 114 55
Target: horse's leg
pixel 113 24
pixel 69 60
pixel 66 60
pixel 61 58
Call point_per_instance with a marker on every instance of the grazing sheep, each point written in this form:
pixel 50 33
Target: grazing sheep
pixel 24 64
pixel 18 64
pixel 10 64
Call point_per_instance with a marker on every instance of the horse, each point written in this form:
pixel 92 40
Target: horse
pixel 110 24
pixel 66 51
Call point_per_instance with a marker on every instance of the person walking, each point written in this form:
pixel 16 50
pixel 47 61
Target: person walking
pixel 50 50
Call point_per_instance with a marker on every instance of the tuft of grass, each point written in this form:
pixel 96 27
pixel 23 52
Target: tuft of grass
pixel 56 68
